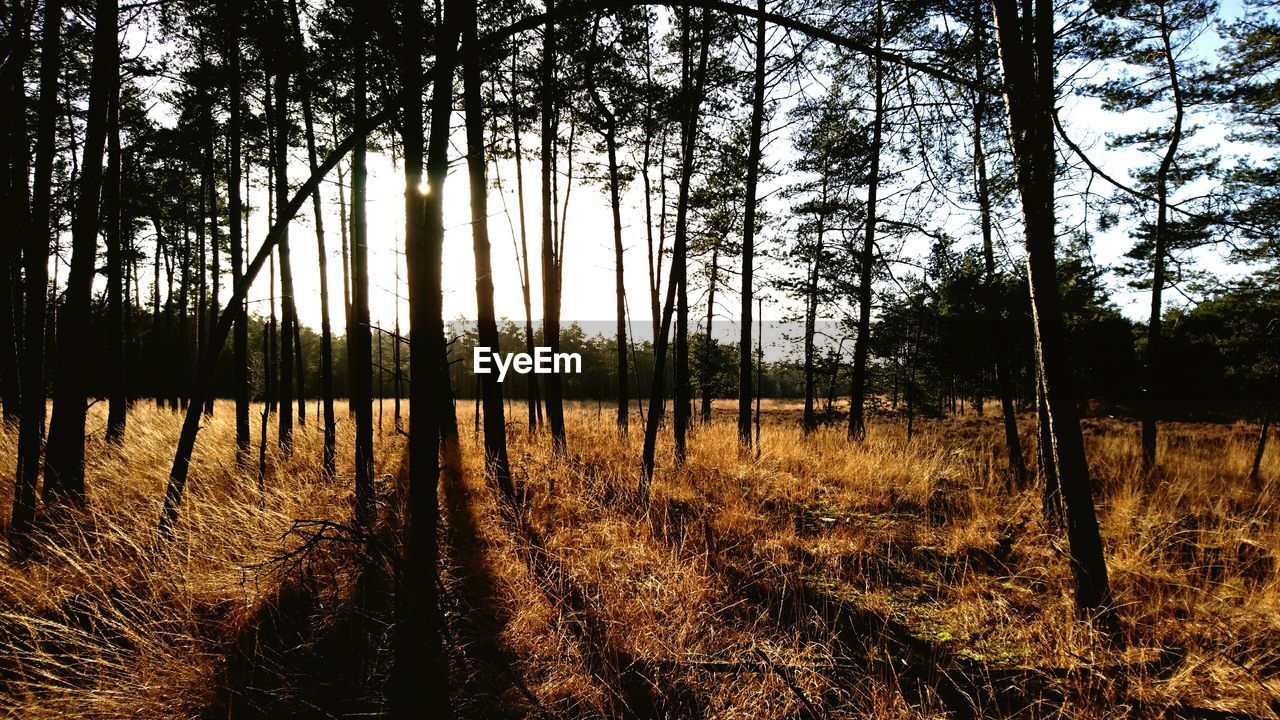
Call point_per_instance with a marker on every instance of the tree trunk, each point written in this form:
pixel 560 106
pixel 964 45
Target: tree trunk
pixel 674 285
pixel 35 257
pixel 655 271
pixel 215 250
pixel 280 110
pixel 1150 395
pixel 1255 471
pixel 117 400
pixel 344 227
pixel 1013 443
pixel 550 259
pixel 359 338
pixel 1051 501
pixel 705 380
pixel 181 375
pixel 862 343
pixel 656 258
pixel 609 130
pixel 620 292
pixel 15 201
pixel 495 426
pixel 909 392
pixel 749 235
pixel 272 383
pixel 809 420
pixel 523 259
pixel 208 362
pixel 64 453
pixel 235 212
pixel 680 259
pixel 395 353
pixel 420 681
pixel 158 338
pixel 300 369
pixel 1026 54
pixel 759 366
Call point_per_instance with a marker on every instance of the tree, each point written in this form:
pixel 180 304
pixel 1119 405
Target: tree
pixel 359 336
pixel 35 256
pixel 1151 38
pixel 495 426
pixel 832 161
pixel 857 394
pixel 306 89
pixel 749 234
pixel 606 75
pixel 1026 40
pixel 280 113
pixel 692 89
pixel 419 656
pixel 15 164
pixel 534 403
pixel 232 19
pixel 551 261
pixel 983 56
pixel 64 453
pixel 118 401
pixel 695 85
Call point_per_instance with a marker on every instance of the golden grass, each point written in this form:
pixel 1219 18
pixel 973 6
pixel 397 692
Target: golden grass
pixel 103 622
pixel 596 603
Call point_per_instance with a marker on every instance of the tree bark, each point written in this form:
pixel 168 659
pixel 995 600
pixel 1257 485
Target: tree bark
pixel 1051 500
pixel 158 338
pixel 550 259
pixel 35 257
pixel 495 426
pixel 15 200
pixel 181 376
pixel 523 251
pixel 117 400
pixel 680 258
pixel 705 380
pixel 674 285
pixel 300 369
pixel 1012 441
pixel 344 227
pixel 1255 471
pixel 359 338
pixel 862 343
pixel 330 453
pixel 420 680
pixel 64 454
pixel 809 420
pixel 1026 55
pixel 235 212
pixel 749 236
pixel 1150 394
pixel 215 249
pixel 608 129
pixel 655 308
pixel 280 109
pixel 620 292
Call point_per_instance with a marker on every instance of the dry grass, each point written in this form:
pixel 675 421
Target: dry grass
pixel 923 536
pixel 815 579
pixel 105 623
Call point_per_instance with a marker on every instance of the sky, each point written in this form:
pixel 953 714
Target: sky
pixel 588 292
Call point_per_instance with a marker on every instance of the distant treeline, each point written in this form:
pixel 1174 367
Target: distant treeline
pixel 930 349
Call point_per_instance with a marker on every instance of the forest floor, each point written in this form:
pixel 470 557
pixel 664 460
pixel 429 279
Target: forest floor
pixel 819 579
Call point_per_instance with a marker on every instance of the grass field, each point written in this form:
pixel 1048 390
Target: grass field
pixel 820 579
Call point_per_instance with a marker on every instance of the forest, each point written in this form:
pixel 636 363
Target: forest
pixel 930 354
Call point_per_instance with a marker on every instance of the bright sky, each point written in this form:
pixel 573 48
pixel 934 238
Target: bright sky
pixel 589 263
